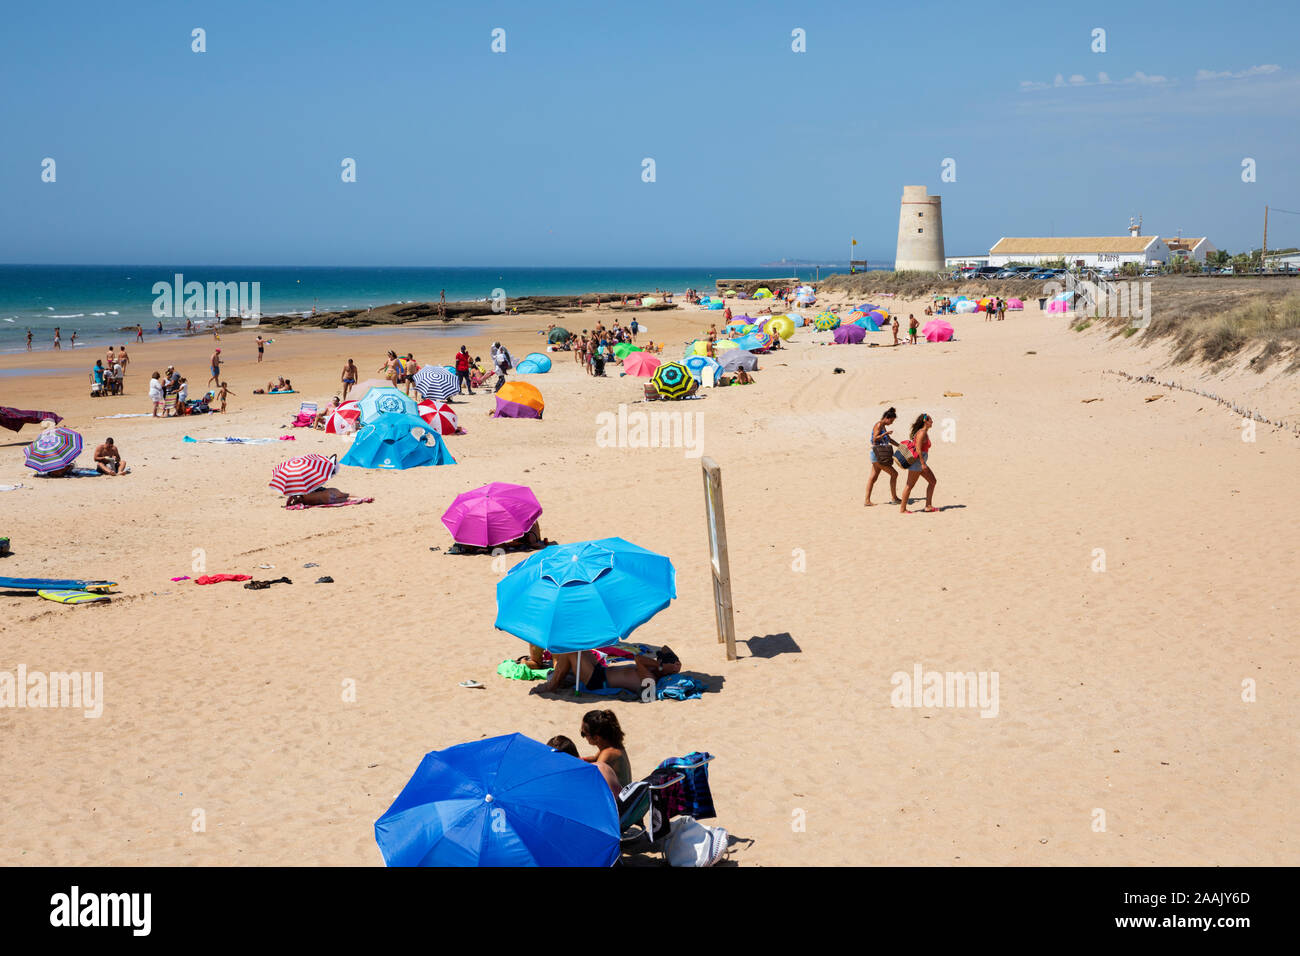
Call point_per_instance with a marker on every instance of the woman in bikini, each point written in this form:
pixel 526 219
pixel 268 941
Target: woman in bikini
pixel 882 456
pixel 918 447
pixel 600 729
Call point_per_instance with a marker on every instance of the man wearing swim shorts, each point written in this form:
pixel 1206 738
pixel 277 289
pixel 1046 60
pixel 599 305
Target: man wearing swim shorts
pixel 216 368
pixel 108 459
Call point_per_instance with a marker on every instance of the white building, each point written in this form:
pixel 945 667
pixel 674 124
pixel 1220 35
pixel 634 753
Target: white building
pixel 1195 249
pixel 1283 261
pixel 956 262
pixel 1087 252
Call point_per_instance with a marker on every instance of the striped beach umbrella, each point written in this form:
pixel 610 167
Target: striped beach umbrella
pixel 825 321
pixel 672 380
pixel 435 382
pixel 441 416
pixel 297 476
pixel 343 419
pixel 54 449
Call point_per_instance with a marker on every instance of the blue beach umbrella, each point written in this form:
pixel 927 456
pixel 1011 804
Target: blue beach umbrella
pixel 386 401
pixel 503 801
pixel 575 597
pixel 696 364
pixel 867 322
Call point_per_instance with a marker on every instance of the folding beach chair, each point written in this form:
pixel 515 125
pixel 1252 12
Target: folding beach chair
pixel 96 389
pixel 308 408
pixel 708 376
pixel 639 798
pixel 477 378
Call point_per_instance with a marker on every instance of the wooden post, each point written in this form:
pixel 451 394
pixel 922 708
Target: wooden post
pixel 721 568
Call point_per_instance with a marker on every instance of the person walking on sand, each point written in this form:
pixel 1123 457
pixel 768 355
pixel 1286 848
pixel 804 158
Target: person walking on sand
pixel 882 454
pixel 139 333
pixel 916 452
pixel 57 344
pixel 349 377
pixel 215 378
pixel 894 325
pixel 122 358
pixel 222 392
pixel 261 349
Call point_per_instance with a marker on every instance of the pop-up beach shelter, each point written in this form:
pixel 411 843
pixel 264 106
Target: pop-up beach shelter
pixel 519 400
pixel 503 801
pixel 534 363
pixel 389 442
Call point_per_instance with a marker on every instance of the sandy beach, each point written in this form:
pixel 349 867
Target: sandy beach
pixel 1120 690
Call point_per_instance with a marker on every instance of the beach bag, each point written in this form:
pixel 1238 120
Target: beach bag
pixel 884 449
pixel 691 843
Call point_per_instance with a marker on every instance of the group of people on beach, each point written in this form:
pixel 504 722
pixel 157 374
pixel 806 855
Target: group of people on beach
pixel 601 730
pixel 911 454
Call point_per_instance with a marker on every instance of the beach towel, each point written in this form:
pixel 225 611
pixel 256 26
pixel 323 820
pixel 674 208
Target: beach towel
pixel 692 796
pixel 124 415
pixel 304 420
pixel 15 418
pixel 218 578
pixel 517 671
pixel 83 473
pixel 335 504
pixel 679 687
pixel 240 441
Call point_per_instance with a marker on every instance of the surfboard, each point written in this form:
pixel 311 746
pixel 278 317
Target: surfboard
pixel 53 584
pixel 73 597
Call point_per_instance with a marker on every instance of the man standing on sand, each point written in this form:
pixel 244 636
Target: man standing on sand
pixel 462 370
pixel 634 327
pixel 139 333
pixel 894 325
pixel 349 378
pixel 261 349
pixel 108 460
pixel 216 368
pixel 57 344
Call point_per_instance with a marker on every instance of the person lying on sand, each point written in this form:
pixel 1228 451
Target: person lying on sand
pixel 531 540
pixel 597 676
pixel 321 496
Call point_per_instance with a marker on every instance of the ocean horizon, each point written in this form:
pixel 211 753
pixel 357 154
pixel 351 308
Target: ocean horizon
pixel 99 302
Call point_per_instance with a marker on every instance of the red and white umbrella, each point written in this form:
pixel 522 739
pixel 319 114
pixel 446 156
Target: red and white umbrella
pixel 343 419
pixel 441 416
pixel 298 476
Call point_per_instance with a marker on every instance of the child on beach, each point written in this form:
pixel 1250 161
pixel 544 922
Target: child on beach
pixel 221 395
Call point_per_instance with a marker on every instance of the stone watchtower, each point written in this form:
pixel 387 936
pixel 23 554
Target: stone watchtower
pixel 920 232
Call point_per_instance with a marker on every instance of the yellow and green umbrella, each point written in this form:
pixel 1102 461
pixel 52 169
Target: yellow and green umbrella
pixel 672 380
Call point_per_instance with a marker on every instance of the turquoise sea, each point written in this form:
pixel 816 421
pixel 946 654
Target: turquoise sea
pixel 98 301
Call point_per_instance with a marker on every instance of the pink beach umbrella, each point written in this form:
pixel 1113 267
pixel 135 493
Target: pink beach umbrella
pixel 1014 305
pixel 937 331
pixel 493 514
pixel 640 364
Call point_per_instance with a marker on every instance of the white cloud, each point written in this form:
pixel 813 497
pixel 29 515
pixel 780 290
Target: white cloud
pixel 1261 70
pixel 1078 79
pixel 1102 79
pixel 1142 79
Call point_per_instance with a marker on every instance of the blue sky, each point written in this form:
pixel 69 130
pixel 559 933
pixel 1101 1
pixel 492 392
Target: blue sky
pixel 534 156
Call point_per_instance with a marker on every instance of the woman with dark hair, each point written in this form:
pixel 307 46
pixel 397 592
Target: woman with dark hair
pixel 915 458
pixel 600 729
pixel 882 457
